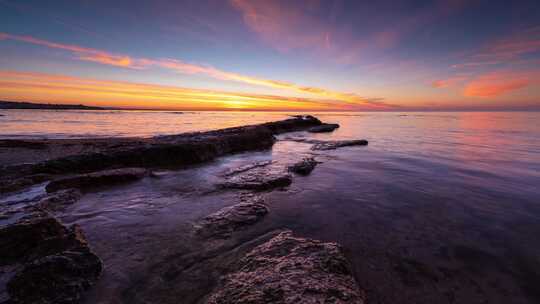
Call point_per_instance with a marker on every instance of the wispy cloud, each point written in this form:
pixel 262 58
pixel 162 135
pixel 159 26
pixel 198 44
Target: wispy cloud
pixel 508 50
pixel 124 61
pixel 497 84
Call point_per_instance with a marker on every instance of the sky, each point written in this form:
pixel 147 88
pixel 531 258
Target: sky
pixel 325 55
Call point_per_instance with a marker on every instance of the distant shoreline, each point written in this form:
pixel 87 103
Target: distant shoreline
pixel 12 105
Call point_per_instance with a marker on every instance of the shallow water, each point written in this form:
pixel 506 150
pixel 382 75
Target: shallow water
pixel 439 208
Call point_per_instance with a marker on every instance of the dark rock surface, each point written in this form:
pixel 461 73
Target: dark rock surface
pixel 224 222
pixel 290 269
pixel 331 145
pixel 163 151
pixel 37 237
pixel 55 279
pixel 52 263
pixel 304 167
pixel 323 128
pixel 258 180
pixel 17 143
pixel 97 179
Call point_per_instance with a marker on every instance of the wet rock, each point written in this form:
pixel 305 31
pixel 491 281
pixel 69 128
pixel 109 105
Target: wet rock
pixel 37 237
pixel 223 223
pixel 259 180
pixel 97 179
pixel 248 167
pixel 162 151
pixel 289 269
pixel 304 167
pixel 51 263
pixel 59 200
pixel 323 128
pixel 55 279
pixel 331 145
pixel 26 144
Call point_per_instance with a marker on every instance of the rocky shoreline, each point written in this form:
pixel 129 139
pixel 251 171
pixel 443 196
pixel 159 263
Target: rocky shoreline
pixel 50 262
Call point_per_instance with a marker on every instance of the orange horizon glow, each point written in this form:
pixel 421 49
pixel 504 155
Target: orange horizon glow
pixel 60 89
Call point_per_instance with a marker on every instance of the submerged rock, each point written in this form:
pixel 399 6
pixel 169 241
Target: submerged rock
pixel 331 145
pixel 258 180
pixel 323 128
pixel 223 223
pixel 55 279
pixel 97 179
pixel 289 269
pixel 304 167
pixel 59 200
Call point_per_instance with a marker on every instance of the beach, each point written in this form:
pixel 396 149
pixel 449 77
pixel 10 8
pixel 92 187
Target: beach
pixel 438 207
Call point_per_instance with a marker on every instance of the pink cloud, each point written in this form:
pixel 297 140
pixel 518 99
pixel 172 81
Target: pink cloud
pixel 449 82
pixel 497 84
pixel 506 50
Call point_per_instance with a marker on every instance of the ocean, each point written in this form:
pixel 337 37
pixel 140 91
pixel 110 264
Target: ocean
pixel 438 208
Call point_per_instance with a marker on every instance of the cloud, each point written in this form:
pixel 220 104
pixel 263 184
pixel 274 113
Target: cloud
pixel 124 61
pixel 507 50
pixel 496 84
pixel 448 82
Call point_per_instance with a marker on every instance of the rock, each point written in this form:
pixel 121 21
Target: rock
pixel 26 144
pixel 55 262
pixel 289 269
pixel 162 151
pixel 248 167
pixel 259 180
pixel 55 279
pixel 59 199
pixel 304 167
pixel 97 179
pixel 331 145
pixel 37 237
pixel 323 128
pixel 224 222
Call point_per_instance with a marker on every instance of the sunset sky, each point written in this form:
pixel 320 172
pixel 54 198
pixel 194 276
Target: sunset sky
pixel 273 55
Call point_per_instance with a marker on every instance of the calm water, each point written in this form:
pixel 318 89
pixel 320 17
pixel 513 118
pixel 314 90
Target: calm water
pixel 439 208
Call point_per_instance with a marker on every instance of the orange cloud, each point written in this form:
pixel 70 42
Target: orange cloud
pixel 103 57
pixel 496 84
pixel 449 82
pixel 39 87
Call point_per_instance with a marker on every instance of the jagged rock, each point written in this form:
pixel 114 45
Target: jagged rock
pixel 323 128
pixel 224 222
pixel 36 237
pixel 97 179
pixel 290 269
pixel 57 264
pixel 59 200
pixel 55 279
pixel 304 167
pixel 331 145
pixel 259 180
